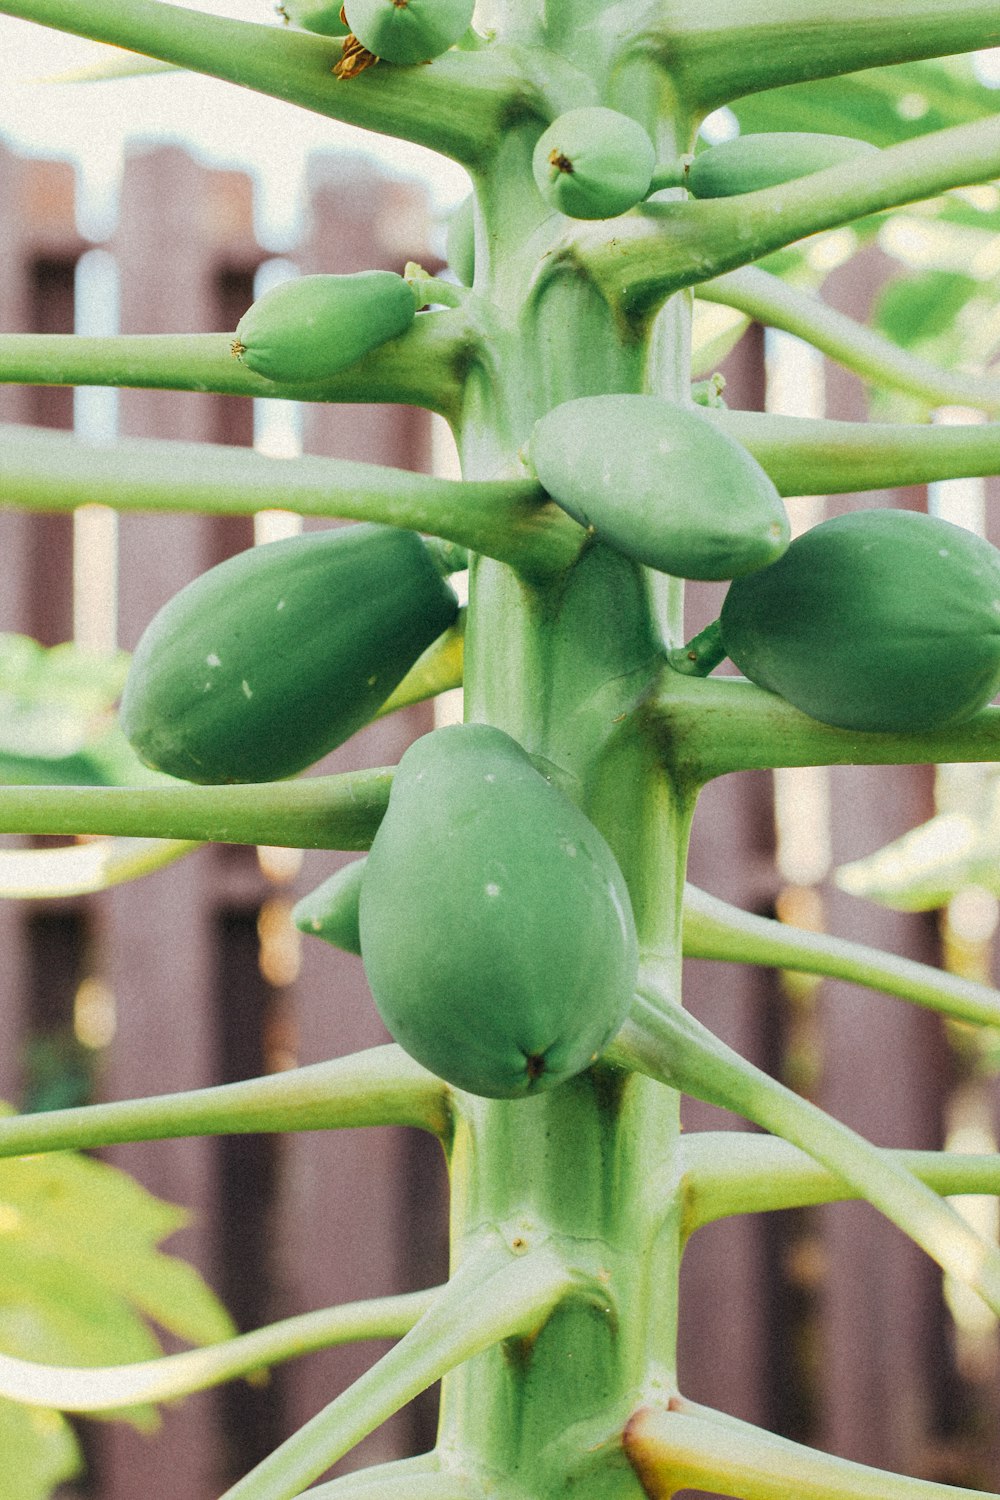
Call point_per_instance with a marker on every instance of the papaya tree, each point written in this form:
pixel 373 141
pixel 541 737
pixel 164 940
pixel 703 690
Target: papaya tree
pixel 523 911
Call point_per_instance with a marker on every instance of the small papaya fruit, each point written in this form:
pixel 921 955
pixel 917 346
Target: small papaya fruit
pixel 496 929
pixel 649 477
pixel 315 326
pixel 878 620
pixel 593 163
pixel 320 16
pixel 766 159
pixel 408 31
pixel 331 910
pixel 266 662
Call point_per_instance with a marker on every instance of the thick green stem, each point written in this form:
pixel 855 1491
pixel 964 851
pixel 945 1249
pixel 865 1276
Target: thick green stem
pixel 423 367
pixel 508 518
pixel 666 246
pixel 382 1086
pixel 769 300
pixel 109 1387
pixel 816 456
pixel 319 812
pixel 713 725
pixel 717 53
pixel 715 929
pixel 731 1172
pixel 683 1446
pixel 455 105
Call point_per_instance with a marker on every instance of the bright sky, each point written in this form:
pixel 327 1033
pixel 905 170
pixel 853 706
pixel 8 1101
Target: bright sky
pixel 226 126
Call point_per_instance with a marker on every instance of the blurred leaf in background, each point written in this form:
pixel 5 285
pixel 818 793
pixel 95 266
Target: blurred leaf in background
pixel 82 1279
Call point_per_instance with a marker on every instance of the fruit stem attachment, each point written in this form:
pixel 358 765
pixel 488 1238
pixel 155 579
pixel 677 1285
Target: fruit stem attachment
pixel 447 557
pixel 702 654
pixel 458 105
pixel 668 245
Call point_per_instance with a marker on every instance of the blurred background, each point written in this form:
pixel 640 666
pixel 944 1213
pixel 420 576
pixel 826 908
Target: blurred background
pixel 163 203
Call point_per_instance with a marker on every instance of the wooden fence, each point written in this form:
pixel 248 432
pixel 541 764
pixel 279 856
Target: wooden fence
pixel 825 1325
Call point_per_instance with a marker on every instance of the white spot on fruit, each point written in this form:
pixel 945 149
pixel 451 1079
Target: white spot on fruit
pixel 212 660
pixel 280 605
pixel 247 689
pixel 492 889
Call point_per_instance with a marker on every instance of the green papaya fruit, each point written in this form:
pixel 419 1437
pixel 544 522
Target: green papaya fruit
pixel 593 163
pixel 879 620
pixel 496 928
pixel 331 910
pixel 320 16
pixel 749 162
pixel 408 31
pixel 277 655
pixel 315 326
pixel 650 478
pixel 460 247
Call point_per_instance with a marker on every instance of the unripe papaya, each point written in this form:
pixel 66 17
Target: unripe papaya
pixel 277 655
pixel 331 910
pixel 320 16
pixel 651 478
pixel 408 31
pixel 496 928
pixel 879 620
pixel 315 326
pixel 593 163
pixel 749 162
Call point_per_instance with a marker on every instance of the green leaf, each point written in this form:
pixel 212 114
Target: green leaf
pixel 881 105
pixel 98 1221
pixel 55 701
pixel 80 1274
pixel 913 309
pixel 39 1451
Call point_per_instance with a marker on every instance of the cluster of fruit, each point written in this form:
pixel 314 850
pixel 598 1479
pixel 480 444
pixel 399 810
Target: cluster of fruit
pixel 880 620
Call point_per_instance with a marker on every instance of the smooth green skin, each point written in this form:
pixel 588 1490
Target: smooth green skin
pixel 331 910
pixel 750 162
pixel 653 479
pixel 540 962
pixel 266 662
pixel 409 31
pixel 319 16
pixel 593 163
pixel 878 620
pixel 316 326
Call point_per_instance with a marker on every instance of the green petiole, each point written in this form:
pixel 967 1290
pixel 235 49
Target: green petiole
pixel 768 299
pixel 511 519
pixel 381 1086
pixel 664 1041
